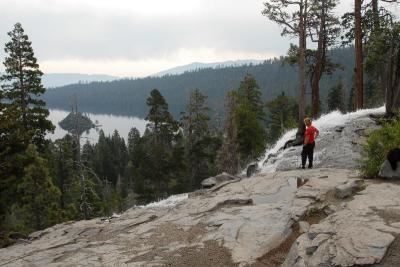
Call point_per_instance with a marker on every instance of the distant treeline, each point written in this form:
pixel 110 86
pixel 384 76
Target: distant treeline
pixel 128 96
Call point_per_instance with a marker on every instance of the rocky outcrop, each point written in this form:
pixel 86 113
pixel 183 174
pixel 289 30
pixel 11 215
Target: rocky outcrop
pixel 241 223
pixel 387 171
pixel 338 146
pixel 237 223
pixel 318 217
pixel 349 188
pixel 358 234
pixel 213 181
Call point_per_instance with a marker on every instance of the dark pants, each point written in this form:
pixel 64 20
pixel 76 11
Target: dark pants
pixel 308 151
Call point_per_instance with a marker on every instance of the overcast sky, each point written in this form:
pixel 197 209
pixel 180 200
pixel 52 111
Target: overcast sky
pixel 141 37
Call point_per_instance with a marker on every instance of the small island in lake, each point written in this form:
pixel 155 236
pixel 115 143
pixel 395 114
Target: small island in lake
pixel 76 121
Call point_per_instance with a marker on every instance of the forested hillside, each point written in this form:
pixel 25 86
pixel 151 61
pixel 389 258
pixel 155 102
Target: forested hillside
pixel 128 97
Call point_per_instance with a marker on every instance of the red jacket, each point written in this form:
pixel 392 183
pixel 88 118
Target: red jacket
pixel 309 135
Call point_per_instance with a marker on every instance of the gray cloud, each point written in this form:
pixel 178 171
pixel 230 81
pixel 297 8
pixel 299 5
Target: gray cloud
pixel 105 30
pixel 87 34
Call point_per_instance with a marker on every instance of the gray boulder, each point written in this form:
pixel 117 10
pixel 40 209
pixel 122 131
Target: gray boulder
pixel 212 181
pixel 349 188
pixel 252 169
pixel 386 171
pixel 303 227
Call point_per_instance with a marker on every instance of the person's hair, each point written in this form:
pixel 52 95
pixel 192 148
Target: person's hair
pixel 307 121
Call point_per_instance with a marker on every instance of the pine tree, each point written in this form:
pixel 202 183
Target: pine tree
pixel 249 120
pixel 282 116
pixel 250 91
pixel 65 176
pixel 135 157
pixel 137 183
pixel 178 182
pixel 23 117
pixel 133 141
pixel 200 144
pixel 351 103
pixel 38 203
pixel 250 134
pixel 162 128
pixel 335 98
pixel 228 157
pixel 22 88
pixel 119 156
pixel 161 123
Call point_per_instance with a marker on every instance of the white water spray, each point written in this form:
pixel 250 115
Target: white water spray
pixel 324 123
pixel 169 202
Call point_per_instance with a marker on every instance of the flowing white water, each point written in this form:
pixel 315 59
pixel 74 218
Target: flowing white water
pixel 168 202
pixel 324 123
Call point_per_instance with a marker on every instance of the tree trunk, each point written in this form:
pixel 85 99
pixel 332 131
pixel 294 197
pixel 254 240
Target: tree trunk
pixel 375 15
pixel 320 63
pixel 395 85
pixel 359 59
pixel 62 182
pixel 302 58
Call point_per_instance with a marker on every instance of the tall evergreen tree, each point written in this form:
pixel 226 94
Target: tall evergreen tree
pixel 162 128
pixel 133 142
pixel 249 120
pixel 199 152
pixel 22 88
pixel 351 102
pixel 38 204
pixel 161 123
pixel 250 134
pixel 250 91
pixel 282 116
pixel 336 98
pixel 228 157
pixel 131 172
pixel 23 117
pixel 65 176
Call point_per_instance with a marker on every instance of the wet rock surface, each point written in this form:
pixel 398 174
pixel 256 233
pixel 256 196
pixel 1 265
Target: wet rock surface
pixel 336 147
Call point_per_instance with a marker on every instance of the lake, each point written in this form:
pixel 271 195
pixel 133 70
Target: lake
pixel 108 123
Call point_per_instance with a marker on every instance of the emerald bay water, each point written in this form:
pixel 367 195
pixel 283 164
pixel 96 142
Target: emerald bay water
pixel 108 123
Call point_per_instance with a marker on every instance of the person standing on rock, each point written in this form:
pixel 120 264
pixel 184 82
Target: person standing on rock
pixel 309 143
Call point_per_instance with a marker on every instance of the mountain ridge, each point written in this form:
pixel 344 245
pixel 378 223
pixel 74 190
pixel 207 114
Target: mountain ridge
pixel 51 80
pixel 128 96
pixel 201 65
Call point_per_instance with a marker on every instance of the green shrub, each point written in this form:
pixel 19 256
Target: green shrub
pixel 377 146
